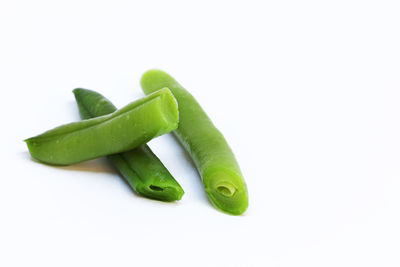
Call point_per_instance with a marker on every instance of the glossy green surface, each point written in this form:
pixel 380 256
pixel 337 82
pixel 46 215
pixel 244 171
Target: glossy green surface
pixel 127 128
pixel 220 173
pixel 140 167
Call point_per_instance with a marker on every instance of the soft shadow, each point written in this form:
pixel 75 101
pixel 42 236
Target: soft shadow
pixel 100 165
pixel 185 154
pixel 94 165
pixel 190 161
pixel 74 107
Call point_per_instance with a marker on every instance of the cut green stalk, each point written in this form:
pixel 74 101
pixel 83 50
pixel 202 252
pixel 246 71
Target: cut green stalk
pixel 220 173
pixel 144 172
pixel 127 128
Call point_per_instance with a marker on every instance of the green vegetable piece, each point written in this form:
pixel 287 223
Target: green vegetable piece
pixel 127 128
pixel 220 173
pixel 140 167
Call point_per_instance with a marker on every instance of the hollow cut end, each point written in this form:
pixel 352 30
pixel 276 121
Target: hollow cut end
pixel 226 189
pixel 156 188
pixel 227 192
pixel 170 111
pixel 162 192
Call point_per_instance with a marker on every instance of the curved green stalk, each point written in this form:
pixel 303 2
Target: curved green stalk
pixel 220 173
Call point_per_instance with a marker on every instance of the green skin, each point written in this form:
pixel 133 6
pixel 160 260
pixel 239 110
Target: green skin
pixel 127 128
pixel 220 173
pixel 140 167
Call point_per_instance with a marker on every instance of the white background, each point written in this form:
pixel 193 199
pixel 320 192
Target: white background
pixel 307 94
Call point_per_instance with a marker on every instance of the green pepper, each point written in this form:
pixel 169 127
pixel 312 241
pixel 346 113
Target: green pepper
pixel 127 128
pixel 220 173
pixel 143 171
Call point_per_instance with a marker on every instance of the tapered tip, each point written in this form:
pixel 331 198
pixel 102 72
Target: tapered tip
pixel 154 79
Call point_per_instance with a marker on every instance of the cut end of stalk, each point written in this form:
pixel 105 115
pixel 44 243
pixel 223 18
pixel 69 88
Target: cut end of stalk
pixel 162 192
pixel 226 192
pixel 170 111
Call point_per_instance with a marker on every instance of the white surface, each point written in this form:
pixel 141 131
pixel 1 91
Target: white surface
pixel 307 94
